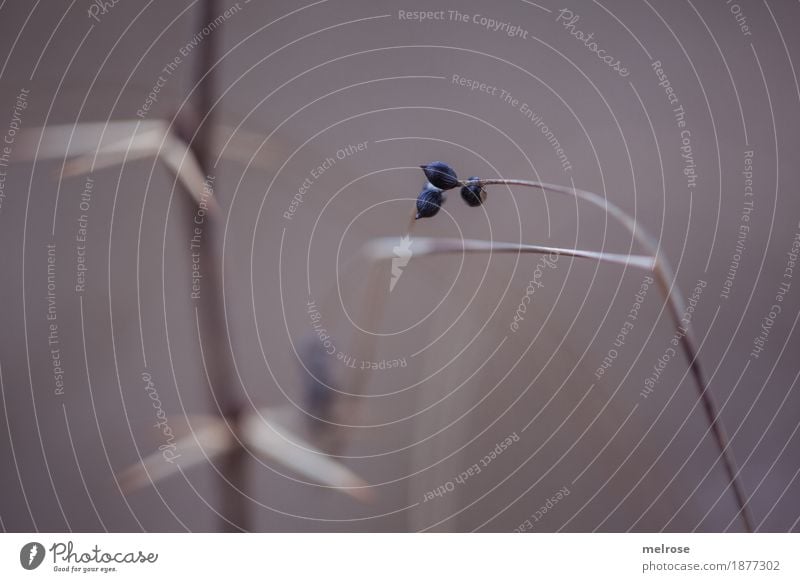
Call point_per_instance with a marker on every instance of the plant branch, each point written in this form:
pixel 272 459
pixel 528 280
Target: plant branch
pixel 382 248
pixel 664 277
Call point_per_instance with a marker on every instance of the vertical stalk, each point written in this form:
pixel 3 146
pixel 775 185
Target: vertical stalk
pixel 204 74
pixel 218 363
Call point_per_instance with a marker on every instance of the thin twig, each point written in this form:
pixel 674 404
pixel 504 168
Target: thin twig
pixel 223 387
pixel 664 276
pixel 382 248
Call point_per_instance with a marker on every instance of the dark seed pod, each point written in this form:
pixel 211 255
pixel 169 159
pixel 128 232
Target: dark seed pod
pixel 440 175
pixel 429 202
pixel 473 193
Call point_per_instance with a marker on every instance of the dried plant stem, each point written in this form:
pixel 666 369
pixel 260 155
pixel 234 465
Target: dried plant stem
pixel 266 432
pixel 234 515
pixel 381 249
pixel 664 277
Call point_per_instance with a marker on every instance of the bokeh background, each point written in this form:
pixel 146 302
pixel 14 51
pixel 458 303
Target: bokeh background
pixel 293 85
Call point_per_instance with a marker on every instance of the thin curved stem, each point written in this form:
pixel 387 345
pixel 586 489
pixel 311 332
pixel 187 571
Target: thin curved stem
pixel 383 248
pixel 664 276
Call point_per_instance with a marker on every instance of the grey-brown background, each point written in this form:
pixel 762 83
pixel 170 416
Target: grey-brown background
pixel 343 72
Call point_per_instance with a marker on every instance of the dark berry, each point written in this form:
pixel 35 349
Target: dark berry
pixel 440 175
pixel 429 202
pixel 473 193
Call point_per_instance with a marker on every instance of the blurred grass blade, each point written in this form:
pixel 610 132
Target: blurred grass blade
pixel 123 141
pixel 182 162
pixel 206 442
pixel 240 145
pixel 65 140
pixel 268 437
pixel 127 149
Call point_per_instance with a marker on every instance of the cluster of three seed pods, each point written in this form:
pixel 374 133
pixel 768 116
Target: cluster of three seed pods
pixel 441 177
